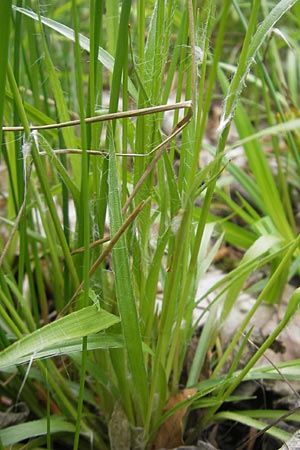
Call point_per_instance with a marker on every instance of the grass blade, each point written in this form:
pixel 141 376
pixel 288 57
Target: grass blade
pixel 124 290
pixel 5 13
pixel 76 325
pixel 104 57
pixel 17 433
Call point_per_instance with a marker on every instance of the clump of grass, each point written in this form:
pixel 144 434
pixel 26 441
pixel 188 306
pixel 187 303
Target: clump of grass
pixel 88 326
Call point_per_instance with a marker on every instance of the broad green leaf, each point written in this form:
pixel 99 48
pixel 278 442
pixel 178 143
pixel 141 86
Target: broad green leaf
pixel 17 433
pixel 81 323
pixel 94 342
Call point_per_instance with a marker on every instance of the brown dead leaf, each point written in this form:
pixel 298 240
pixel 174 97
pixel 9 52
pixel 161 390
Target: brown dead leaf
pixel 169 434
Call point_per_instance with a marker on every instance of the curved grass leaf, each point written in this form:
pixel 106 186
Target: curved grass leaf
pixel 81 323
pixel 17 433
pixel 248 57
pixel 94 342
pixel 104 57
pixel 253 423
pixel 289 125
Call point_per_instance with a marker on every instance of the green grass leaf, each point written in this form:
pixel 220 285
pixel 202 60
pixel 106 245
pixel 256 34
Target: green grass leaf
pixel 4 41
pixel 123 283
pixel 81 323
pixel 104 57
pixel 253 423
pixel 28 430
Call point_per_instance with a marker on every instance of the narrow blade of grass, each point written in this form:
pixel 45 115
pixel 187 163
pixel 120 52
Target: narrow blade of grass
pixel 106 59
pixel 4 41
pixel 124 290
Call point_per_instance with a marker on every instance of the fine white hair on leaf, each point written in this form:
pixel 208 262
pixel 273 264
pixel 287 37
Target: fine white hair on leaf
pixel 25 377
pixel 26 147
pixel 35 137
pixel 199 54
